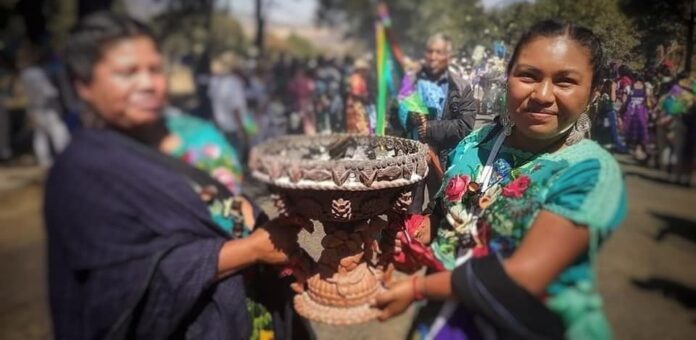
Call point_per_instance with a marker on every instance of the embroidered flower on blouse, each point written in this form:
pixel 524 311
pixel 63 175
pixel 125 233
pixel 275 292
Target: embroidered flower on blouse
pixel 517 187
pixel 189 157
pixel 212 151
pixel 460 219
pixel 456 187
pixel 226 177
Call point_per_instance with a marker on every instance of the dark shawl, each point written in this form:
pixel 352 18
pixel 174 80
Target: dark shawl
pixel 133 251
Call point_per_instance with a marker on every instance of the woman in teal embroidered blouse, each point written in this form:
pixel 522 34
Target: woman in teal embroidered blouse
pixel 526 203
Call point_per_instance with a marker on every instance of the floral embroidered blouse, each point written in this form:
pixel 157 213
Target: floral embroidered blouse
pixel 582 183
pixel 203 146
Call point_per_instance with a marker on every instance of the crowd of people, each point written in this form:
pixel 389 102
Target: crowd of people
pixel 150 234
pixel 649 115
pixel 644 113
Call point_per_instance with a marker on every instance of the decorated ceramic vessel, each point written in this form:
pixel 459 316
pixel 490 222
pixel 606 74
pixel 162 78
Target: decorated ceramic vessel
pixel 343 181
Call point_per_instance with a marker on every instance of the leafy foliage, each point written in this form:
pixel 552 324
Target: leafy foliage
pixel 631 29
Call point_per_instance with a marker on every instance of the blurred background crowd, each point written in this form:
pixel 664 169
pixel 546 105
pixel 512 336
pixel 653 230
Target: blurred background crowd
pixel 315 71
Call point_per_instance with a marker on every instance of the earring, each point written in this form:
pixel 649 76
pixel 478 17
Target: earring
pixel 580 129
pixel 504 114
pixel 507 123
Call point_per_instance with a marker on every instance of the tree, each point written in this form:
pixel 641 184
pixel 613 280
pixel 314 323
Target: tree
pixel 300 46
pixel 358 17
pixel 469 24
pixel 658 23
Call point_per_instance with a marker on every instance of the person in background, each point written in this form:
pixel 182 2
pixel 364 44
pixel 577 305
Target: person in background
pixel 258 98
pixel 357 99
pixel 335 107
pixel 226 90
pixel 525 205
pixel 50 132
pixel 451 111
pixel 301 89
pixel 636 118
pixel 651 149
pixel 624 82
pixel 327 96
pixel 677 112
pixel 7 75
pixel 606 119
pixel 149 235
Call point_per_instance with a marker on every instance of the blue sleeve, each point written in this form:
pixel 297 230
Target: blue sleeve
pixel 589 193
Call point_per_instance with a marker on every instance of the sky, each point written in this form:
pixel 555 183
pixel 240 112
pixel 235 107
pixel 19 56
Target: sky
pixel 280 12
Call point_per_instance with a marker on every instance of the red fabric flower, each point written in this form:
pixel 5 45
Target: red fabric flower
pixel 413 254
pixel 456 187
pixel 517 187
pixel 188 157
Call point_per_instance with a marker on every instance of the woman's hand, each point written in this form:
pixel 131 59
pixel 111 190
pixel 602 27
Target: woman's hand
pixel 248 214
pixel 276 241
pixel 396 299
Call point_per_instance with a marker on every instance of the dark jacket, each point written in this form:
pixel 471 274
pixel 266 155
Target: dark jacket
pixel 458 115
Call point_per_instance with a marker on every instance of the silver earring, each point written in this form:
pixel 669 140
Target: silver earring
pixel 505 119
pixel 580 129
pixel 507 123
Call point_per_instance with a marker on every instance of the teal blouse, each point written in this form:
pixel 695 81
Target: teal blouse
pixel 203 146
pixel 582 183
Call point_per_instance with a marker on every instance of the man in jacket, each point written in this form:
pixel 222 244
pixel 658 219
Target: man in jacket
pixel 451 111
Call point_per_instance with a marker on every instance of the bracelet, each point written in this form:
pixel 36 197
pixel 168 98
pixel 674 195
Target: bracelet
pixel 417 294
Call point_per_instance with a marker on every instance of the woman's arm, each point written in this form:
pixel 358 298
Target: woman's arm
pixel 551 245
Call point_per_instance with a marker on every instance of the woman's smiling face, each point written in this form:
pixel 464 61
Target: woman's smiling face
pixel 549 86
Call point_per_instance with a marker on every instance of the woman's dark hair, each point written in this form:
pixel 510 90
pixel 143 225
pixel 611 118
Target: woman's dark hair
pixel 581 35
pixel 93 35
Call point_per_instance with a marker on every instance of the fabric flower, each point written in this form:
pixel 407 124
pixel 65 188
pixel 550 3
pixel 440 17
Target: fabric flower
pixel 414 254
pixel 517 187
pixel 460 219
pixel 456 187
pixel 226 177
pixel 415 226
pixel 189 157
pixel 212 151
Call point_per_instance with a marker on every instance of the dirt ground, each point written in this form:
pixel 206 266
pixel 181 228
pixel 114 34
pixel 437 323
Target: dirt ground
pixel 646 270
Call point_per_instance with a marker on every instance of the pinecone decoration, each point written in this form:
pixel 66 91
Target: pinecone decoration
pixel 341 209
pixel 403 202
pixel 279 204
